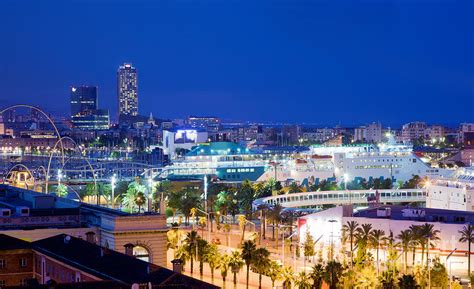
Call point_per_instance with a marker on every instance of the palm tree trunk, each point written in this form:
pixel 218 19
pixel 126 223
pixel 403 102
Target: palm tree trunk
pixel 378 262
pixel 428 255
pixel 406 260
pixel 273 230
pixel 276 240
pixel 352 250
pixel 212 274
pixel 468 259
pixel 414 255
pixel 201 267
pixel 192 265
pixel 264 224
pixel 422 254
pixel 259 281
pixel 235 278
pixel 248 271
pixel 223 282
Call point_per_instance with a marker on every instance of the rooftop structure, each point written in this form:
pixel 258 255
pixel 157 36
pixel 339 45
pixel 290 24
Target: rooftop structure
pixel 32 216
pixel 455 192
pixel 67 259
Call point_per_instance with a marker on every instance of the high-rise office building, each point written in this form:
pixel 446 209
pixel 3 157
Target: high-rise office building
pixel 127 90
pixel 83 98
pixel 85 112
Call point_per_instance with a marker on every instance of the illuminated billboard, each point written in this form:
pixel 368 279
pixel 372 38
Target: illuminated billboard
pixel 185 136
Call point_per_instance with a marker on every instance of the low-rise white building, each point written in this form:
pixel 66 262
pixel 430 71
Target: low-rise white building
pixel 326 228
pixel 454 193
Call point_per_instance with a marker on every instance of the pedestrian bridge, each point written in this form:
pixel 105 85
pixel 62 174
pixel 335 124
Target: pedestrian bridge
pixel 357 197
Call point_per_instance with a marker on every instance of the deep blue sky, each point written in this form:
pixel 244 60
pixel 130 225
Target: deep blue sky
pixel 323 62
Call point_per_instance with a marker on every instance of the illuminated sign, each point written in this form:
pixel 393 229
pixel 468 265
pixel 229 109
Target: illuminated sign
pixel 185 136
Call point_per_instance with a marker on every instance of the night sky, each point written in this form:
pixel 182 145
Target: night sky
pixel 321 62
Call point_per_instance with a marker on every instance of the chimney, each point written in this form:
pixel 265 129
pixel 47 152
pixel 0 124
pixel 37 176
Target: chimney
pixel 129 249
pixel 177 265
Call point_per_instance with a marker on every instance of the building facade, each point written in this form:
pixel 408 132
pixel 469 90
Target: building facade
pixel 85 112
pixel 32 216
pixel 127 90
pixel 413 131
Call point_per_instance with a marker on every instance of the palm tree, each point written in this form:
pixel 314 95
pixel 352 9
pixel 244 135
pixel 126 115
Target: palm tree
pixel 212 258
pixel 173 236
pixel 263 218
pixel 260 263
pixel 287 276
pixel 242 222
pixel 182 254
pixel 350 229
pixel 202 248
pixel 333 273
pixel 224 266
pixel 407 282
pixel 140 200
pixel 363 237
pixel 248 250
pixel 191 241
pixel 377 237
pixel 236 263
pixel 302 281
pixel 467 236
pixel 275 217
pixel 317 274
pixel 274 271
pixel 429 234
pixel 415 241
pixel 366 278
pixel 406 238
pixel 202 221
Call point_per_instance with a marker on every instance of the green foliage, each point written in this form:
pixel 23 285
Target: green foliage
pixel 260 263
pixel 366 278
pixel 317 275
pixel 212 257
pixel 61 190
pixel 407 282
pixel 274 272
pixel 309 245
pixel 302 281
pixel 439 275
pixel 294 188
pixel 184 201
pixel 245 196
pixel 333 273
pixel 412 183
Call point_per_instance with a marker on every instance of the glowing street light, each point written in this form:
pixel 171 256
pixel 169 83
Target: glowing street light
pixel 112 184
pixel 60 175
pixel 150 193
pixel 346 179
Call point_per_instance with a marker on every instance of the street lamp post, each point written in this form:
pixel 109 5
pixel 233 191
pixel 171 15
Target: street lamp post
pixel 331 248
pixel 346 179
pixel 112 184
pixel 150 193
pixel 60 175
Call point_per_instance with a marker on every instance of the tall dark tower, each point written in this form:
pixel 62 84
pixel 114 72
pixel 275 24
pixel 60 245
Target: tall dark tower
pixel 83 98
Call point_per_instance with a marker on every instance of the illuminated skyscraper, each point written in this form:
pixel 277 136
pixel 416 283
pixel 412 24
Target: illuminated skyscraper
pixel 127 90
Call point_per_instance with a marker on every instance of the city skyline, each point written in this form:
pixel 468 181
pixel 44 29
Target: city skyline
pixel 371 58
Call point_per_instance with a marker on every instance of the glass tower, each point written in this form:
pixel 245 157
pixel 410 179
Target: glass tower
pixel 127 90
